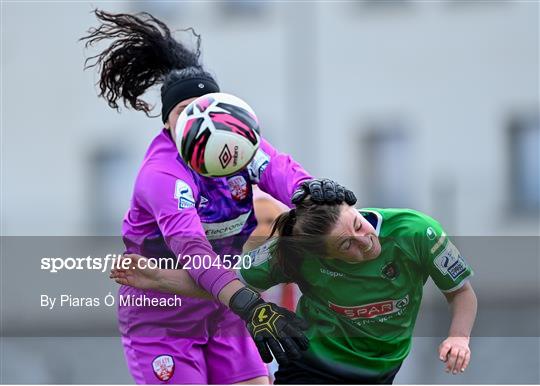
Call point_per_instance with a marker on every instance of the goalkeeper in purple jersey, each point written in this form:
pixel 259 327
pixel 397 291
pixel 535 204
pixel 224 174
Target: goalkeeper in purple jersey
pixel 176 212
pixel 361 273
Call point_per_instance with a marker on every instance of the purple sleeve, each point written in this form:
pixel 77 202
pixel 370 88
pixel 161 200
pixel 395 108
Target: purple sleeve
pixel 171 198
pixel 276 173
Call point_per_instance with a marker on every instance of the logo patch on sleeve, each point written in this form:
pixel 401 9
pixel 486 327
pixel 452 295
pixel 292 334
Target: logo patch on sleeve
pixel 184 195
pixel 449 261
pixel 163 367
pixel 260 255
pixel 257 166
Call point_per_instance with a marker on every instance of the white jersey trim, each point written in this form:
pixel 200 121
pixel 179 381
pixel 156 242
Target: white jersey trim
pixel 460 285
pixel 379 219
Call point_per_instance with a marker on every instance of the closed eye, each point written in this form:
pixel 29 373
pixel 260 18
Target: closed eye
pixel 345 245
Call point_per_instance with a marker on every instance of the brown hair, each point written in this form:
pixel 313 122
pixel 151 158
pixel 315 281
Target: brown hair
pixel 301 233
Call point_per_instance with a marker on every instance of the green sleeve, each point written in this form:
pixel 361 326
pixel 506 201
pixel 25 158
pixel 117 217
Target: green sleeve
pixel 444 263
pixel 263 271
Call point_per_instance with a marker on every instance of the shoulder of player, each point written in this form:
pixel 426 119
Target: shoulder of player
pixel 162 155
pixel 160 178
pixel 421 232
pixel 409 224
pixel 410 218
pixel 162 162
pixel 157 174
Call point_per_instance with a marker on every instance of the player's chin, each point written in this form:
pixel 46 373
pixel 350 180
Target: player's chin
pixel 374 252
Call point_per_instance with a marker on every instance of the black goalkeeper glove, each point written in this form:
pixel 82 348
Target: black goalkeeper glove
pixel 275 330
pixel 323 191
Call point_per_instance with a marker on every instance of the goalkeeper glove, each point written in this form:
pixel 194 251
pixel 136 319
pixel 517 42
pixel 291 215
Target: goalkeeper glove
pixel 275 330
pixel 323 191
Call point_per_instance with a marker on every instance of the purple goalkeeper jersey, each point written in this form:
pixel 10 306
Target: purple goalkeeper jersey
pixel 177 212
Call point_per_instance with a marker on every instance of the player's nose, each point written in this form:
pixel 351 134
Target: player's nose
pixel 363 241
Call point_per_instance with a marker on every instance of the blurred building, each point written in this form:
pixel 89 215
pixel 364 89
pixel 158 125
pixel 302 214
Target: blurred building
pixel 428 105
pixel 432 106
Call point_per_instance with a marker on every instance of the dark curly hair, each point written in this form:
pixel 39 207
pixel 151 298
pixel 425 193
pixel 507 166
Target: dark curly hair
pixel 143 54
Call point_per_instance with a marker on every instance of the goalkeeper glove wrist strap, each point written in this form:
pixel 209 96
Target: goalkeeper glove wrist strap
pixel 243 301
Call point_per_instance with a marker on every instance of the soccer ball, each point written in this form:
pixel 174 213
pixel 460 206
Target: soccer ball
pixel 217 134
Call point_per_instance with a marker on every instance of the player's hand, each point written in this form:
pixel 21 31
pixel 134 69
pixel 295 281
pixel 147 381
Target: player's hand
pixel 455 352
pixel 277 332
pixel 323 191
pixel 137 274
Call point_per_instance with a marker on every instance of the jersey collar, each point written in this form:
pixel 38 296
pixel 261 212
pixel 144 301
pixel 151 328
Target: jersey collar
pixel 374 218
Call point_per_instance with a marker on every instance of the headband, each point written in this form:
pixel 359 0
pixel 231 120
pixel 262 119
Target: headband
pixel 184 89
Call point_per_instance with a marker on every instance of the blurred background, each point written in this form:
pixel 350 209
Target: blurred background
pixel 427 105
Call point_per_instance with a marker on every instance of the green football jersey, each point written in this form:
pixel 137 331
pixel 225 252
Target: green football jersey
pixel 362 316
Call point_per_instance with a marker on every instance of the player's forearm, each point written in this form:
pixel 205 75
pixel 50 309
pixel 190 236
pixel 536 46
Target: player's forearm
pixel 229 290
pixel 463 305
pixel 178 281
pixel 211 279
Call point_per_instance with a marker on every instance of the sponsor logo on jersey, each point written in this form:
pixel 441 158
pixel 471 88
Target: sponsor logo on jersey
pixel 331 273
pixel 184 195
pixel 430 233
pixel 390 271
pixel 238 187
pixel 449 261
pixel 257 166
pixel 372 310
pixel 220 230
pixel 163 367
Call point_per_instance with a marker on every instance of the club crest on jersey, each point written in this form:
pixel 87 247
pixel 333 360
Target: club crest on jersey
pixel 163 367
pixel 390 271
pixel 371 310
pixel 184 195
pixel 238 187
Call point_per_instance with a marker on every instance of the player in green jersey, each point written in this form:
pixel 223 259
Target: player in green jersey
pixel 361 273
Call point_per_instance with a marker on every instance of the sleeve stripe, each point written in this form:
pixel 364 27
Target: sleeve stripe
pixel 438 243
